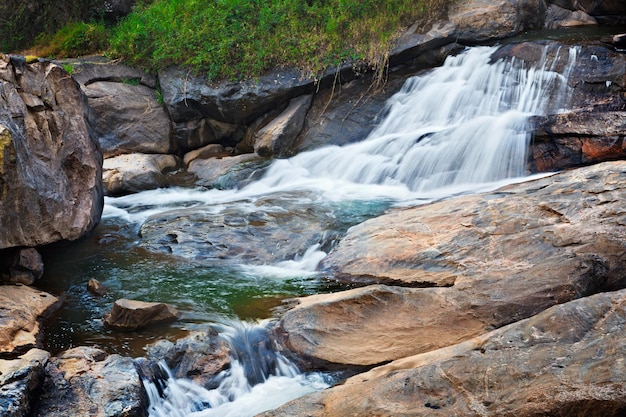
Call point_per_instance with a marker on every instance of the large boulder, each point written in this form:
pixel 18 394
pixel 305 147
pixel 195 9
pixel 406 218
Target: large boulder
pixel 491 259
pixel 199 357
pixel 127 118
pixel 22 308
pixel 87 381
pixel 50 166
pixel 565 361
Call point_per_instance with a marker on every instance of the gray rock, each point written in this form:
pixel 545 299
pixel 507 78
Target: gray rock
pixel 50 166
pixel 127 118
pixel 86 381
pixel 20 380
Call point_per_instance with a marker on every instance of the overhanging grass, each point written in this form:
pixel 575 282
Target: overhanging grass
pixel 241 38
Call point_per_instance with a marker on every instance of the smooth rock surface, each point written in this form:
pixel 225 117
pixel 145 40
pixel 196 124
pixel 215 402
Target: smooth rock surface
pixel 131 173
pixel 565 361
pixel 495 258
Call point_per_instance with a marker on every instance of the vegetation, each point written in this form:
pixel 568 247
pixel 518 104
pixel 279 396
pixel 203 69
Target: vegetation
pixel 242 38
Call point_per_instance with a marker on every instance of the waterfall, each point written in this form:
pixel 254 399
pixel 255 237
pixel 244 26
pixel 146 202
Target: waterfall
pixel 258 379
pixel 454 129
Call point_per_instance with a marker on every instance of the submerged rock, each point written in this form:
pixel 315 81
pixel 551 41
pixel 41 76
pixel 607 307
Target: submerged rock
pixel 565 361
pixel 133 315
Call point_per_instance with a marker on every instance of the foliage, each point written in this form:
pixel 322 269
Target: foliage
pixel 22 21
pixel 74 39
pixel 233 38
pixel 239 38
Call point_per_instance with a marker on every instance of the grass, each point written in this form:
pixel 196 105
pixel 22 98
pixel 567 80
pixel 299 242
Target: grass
pixel 235 39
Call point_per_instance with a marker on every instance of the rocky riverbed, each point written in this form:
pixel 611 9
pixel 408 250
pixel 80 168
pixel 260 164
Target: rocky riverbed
pixel 507 302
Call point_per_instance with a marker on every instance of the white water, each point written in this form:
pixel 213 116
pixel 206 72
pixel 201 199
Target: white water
pixel 462 127
pixel 258 379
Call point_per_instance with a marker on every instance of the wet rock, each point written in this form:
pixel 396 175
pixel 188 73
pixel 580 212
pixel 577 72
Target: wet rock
pixel 240 234
pixel 20 380
pixel 493 259
pixel 198 357
pixel 96 288
pixel 208 151
pixel 562 362
pixel 133 315
pixel 22 307
pixel 89 382
pixel 50 166
pixel 131 173
pixel 481 20
pixel 127 118
pixel 24 266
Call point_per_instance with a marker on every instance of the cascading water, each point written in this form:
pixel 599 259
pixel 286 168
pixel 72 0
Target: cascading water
pixel 458 128
pixel 258 379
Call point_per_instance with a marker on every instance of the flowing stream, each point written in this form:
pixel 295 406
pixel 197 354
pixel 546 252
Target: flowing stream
pixel 459 128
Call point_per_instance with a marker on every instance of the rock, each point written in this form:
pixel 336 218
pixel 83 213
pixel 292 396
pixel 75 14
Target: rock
pixel 557 17
pixel 22 307
pixel 127 118
pixel 20 380
pixel 564 361
pixel 133 315
pixel 193 134
pixel 50 166
pixel 239 234
pixel 579 137
pixel 131 173
pixel 92 69
pixel 25 266
pixel 213 172
pixel 206 152
pixel 492 258
pixel 277 137
pixel 96 288
pixel 190 97
pixel 89 382
pixel 198 357
pixel 481 20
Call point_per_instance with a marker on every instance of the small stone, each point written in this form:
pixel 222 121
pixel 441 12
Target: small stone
pixel 96 288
